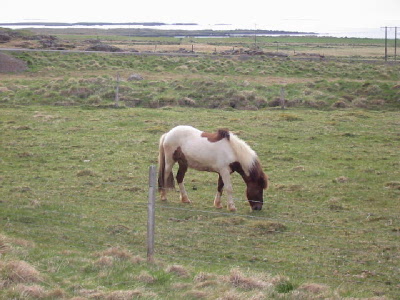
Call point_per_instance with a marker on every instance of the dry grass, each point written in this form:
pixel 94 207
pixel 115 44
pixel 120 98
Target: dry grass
pixel 314 288
pixel 4 246
pixel 178 270
pixel 393 185
pixel 83 173
pixel 56 293
pixel 23 280
pixel 108 257
pixel 30 291
pixel 145 277
pixel 114 295
pixel 21 271
pixel 236 295
pixel 105 261
pixel 137 259
pixel 240 280
pixel 202 277
pixel 195 294
pixel 11 64
pixel 125 295
pixel 341 179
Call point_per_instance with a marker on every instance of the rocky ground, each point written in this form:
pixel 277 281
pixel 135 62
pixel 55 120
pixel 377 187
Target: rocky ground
pixel 11 64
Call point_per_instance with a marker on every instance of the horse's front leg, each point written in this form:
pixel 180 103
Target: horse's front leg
pixel 217 200
pixel 226 178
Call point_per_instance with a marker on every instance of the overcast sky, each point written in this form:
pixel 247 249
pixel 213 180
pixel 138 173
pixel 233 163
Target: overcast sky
pixel 278 14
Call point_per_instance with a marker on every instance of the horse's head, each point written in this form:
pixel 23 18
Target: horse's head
pixel 256 181
pixel 255 190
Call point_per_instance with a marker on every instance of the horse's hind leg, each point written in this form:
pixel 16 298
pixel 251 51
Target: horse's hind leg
pixel 168 178
pixel 217 200
pixel 179 178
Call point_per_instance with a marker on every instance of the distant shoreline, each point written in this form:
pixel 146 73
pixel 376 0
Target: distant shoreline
pixel 154 28
pixel 93 24
pixel 194 29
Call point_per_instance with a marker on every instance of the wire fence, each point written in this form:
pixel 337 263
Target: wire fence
pixel 328 254
pixel 311 247
pixel 324 246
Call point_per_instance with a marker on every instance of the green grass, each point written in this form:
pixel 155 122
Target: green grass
pixel 59 64
pixel 74 192
pixel 90 79
pixel 73 179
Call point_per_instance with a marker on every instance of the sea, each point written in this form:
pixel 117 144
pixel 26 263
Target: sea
pixel 372 33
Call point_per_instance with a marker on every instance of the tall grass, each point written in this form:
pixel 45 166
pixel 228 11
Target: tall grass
pixel 89 79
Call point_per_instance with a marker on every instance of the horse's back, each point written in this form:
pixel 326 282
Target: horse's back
pixel 183 130
pixel 200 153
pixel 181 134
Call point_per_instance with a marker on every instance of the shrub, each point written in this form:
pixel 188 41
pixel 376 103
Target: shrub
pixel 284 287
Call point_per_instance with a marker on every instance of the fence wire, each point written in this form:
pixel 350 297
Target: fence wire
pixel 283 245
pixel 198 234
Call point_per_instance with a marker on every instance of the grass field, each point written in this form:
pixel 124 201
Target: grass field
pixel 210 82
pixel 74 185
pixel 74 179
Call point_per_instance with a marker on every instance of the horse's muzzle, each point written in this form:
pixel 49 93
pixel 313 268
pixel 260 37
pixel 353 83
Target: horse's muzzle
pixel 257 207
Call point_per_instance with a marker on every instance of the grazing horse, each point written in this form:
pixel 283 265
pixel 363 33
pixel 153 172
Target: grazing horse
pixel 221 152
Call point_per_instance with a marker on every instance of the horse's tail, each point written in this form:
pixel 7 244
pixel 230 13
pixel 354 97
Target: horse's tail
pixel 162 183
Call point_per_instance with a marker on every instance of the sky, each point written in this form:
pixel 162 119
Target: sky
pixel 296 15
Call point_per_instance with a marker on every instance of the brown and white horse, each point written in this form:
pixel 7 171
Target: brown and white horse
pixel 221 152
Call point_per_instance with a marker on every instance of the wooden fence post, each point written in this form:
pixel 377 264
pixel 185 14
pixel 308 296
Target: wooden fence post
pixel 282 98
pixel 151 213
pixel 117 91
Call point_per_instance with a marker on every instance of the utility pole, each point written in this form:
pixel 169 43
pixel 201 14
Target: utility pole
pixel 151 213
pixel 255 36
pixel 395 43
pixel 117 91
pixel 386 42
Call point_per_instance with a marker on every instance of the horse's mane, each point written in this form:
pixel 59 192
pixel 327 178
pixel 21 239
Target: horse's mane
pixel 246 156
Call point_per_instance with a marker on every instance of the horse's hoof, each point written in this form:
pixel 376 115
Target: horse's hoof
pixel 218 206
pixel 231 208
pixel 185 199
